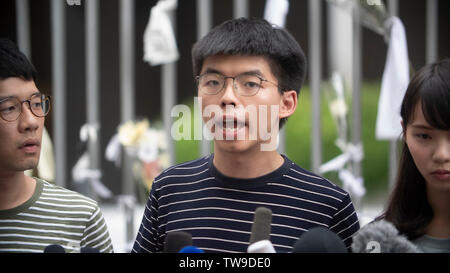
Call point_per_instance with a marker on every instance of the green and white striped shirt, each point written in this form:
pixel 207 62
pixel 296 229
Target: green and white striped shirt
pixel 54 215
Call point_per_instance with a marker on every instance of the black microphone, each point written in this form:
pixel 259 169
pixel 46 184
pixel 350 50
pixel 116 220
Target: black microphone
pixel 176 240
pixel 319 240
pixel 54 249
pixel 381 237
pixel 261 225
pixel 89 250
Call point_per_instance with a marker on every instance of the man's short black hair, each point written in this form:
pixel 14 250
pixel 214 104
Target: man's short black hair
pixel 255 37
pixel 13 63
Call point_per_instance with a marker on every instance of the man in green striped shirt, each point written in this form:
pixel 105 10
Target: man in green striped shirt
pixel 34 213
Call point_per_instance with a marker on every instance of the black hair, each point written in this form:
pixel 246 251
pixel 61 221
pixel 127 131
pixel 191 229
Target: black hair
pixel 13 63
pixel 255 37
pixel 408 208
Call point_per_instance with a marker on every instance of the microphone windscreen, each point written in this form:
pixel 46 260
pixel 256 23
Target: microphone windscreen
pixel 191 249
pixel 261 225
pixel 89 250
pixel 54 249
pixel 176 240
pixel 264 246
pixel 381 237
pixel 319 240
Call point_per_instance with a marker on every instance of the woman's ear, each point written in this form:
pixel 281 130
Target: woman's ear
pixel 403 129
pixel 288 103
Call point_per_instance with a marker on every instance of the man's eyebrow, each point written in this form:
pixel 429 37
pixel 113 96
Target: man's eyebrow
pixel 250 72
pixel 7 97
pixel 212 70
pixel 253 72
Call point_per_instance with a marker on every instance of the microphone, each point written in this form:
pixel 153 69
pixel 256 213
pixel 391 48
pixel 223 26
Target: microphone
pixel 176 240
pixel 54 249
pixel 381 237
pixel 191 249
pixel 319 240
pixel 261 225
pixel 259 238
pixel 89 250
pixel 264 246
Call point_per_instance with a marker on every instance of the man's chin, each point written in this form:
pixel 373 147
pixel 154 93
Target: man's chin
pixel 235 146
pixel 30 164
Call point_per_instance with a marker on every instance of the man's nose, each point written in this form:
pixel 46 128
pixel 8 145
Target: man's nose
pixel 228 93
pixel 27 120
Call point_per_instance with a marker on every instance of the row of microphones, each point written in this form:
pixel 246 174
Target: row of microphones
pixel 315 240
pixel 377 237
pixel 60 249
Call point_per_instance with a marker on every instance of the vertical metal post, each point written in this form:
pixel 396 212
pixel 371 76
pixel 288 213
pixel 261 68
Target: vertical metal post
pixel 240 8
pixel 432 31
pixel 356 85
pixel 169 87
pixel 58 27
pixel 315 61
pixel 393 144
pixel 393 7
pixel 127 91
pixel 204 24
pixel 23 27
pixel 92 80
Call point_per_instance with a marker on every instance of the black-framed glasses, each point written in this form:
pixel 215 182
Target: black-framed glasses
pixel 11 107
pixel 244 84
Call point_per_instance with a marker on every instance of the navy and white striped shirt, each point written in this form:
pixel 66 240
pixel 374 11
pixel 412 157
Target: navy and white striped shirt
pixel 218 210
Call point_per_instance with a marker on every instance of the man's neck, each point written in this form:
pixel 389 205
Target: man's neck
pixel 15 189
pixel 247 165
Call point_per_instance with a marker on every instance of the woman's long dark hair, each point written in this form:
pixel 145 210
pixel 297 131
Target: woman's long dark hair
pixel 408 208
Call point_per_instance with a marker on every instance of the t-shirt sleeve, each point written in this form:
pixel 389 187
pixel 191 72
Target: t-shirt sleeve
pixel 345 222
pixel 96 234
pixel 147 239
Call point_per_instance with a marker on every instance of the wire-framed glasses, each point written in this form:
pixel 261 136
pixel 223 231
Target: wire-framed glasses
pixel 244 84
pixel 11 107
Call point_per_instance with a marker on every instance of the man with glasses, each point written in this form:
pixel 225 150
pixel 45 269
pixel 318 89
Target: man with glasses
pixel 35 214
pixel 248 76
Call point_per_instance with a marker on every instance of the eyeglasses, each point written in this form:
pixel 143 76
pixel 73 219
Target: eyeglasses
pixel 11 107
pixel 244 84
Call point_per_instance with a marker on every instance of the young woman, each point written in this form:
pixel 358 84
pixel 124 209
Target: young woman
pixel 420 203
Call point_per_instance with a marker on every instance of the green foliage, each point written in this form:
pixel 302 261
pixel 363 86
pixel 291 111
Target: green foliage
pixel 376 153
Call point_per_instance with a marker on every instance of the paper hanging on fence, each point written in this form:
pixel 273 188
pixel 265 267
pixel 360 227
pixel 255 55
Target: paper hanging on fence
pixel 160 45
pixel 275 12
pixel 394 83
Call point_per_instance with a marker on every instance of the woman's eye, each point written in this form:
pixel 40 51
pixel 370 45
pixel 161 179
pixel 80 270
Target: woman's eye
pixel 423 136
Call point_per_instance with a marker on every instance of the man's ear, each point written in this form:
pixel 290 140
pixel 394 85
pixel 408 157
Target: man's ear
pixel 288 103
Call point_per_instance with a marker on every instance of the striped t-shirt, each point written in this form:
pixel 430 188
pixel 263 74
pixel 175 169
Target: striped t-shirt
pixel 54 215
pixel 218 211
